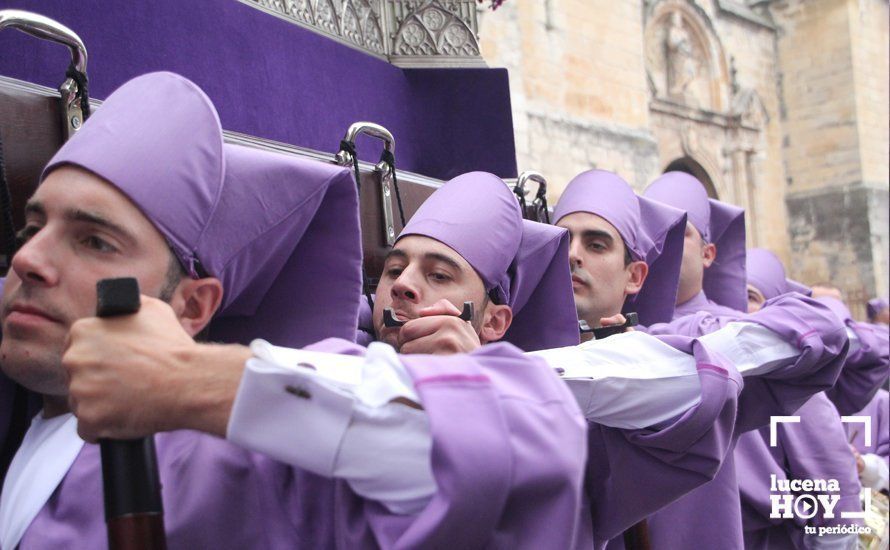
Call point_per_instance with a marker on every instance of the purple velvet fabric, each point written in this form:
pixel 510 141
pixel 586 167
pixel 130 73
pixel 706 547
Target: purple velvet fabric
pixel 651 231
pixel 711 514
pixel 867 366
pixel 719 223
pixel 276 80
pixel 522 264
pixel 815 448
pixel 232 210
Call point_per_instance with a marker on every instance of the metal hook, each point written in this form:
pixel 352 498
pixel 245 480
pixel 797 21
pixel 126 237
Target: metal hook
pixel 631 320
pixel 346 158
pixel 48 29
pixel 540 200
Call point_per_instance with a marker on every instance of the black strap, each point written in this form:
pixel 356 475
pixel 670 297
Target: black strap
pixel 349 147
pixel 82 87
pixel 542 213
pixel 9 238
pixel 520 196
pixel 390 160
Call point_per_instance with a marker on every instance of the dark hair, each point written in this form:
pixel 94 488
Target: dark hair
pixel 175 273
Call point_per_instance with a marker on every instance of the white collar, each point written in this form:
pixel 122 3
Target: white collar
pixel 48 450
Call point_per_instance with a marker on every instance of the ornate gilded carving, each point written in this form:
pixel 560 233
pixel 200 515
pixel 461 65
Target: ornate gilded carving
pixel 407 32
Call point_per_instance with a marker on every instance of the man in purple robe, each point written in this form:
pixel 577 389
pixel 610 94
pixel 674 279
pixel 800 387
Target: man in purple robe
pixel 712 295
pixel 867 364
pixel 659 411
pixel 237 243
pixel 626 250
pixel 626 254
pixel 469 242
pixel 815 448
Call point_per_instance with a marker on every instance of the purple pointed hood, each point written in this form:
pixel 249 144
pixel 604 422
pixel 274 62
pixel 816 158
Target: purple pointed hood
pixel 281 233
pixel 651 231
pixel 767 274
pixel 522 264
pixel 875 306
pixel 719 223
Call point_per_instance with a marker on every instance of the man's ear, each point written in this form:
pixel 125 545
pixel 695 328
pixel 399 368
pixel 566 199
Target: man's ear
pixel 495 322
pixel 637 273
pixel 196 301
pixel 708 254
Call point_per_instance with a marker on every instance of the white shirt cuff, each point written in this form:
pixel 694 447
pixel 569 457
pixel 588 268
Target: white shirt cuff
pixel 333 415
pixel 629 381
pixel 753 349
pixel 876 472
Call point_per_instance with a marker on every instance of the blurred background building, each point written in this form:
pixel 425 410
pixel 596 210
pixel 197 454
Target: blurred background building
pixel 778 106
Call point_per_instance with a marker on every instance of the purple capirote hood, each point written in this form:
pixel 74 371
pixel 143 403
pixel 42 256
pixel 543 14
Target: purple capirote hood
pixel 767 274
pixel 651 231
pixel 522 264
pixel 281 233
pixel 719 223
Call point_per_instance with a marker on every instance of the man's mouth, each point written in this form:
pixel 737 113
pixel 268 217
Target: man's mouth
pixel 576 280
pixel 28 314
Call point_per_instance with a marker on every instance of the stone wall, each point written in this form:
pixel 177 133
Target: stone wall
pixel 833 55
pixel 785 109
pixel 578 86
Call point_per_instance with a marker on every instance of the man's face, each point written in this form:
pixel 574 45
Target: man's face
pixel 79 229
pixel 697 256
pixel 755 299
pixel 600 275
pixel 418 272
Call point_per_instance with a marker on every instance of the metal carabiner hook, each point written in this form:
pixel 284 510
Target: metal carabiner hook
pixel 48 29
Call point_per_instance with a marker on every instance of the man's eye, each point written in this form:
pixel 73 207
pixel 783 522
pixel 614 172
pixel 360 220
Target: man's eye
pixel 24 235
pixel 596 246
pixel 440 277
pixel 99 244
pixel 394 272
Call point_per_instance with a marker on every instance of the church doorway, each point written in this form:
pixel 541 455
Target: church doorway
pixel 693 168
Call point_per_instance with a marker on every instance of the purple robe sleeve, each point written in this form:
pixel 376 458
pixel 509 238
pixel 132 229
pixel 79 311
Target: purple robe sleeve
pixel 865 370
pixel 797 319
pixel 508 453
pixel 633 473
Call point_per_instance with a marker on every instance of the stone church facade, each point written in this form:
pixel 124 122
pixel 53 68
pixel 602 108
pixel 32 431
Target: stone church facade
pixel 779 106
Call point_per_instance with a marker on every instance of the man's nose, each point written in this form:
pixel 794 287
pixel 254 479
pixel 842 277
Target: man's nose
pixel 33 262
pixel 405 288
pixel 575 253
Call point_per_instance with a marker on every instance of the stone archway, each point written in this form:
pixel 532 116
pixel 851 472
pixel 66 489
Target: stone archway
pixel 690 166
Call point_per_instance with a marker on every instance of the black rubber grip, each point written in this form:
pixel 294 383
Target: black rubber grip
pixel 117 297
pixel 130 466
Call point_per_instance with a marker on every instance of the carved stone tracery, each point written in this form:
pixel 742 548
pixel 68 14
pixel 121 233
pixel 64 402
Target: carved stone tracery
pixel 407 32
